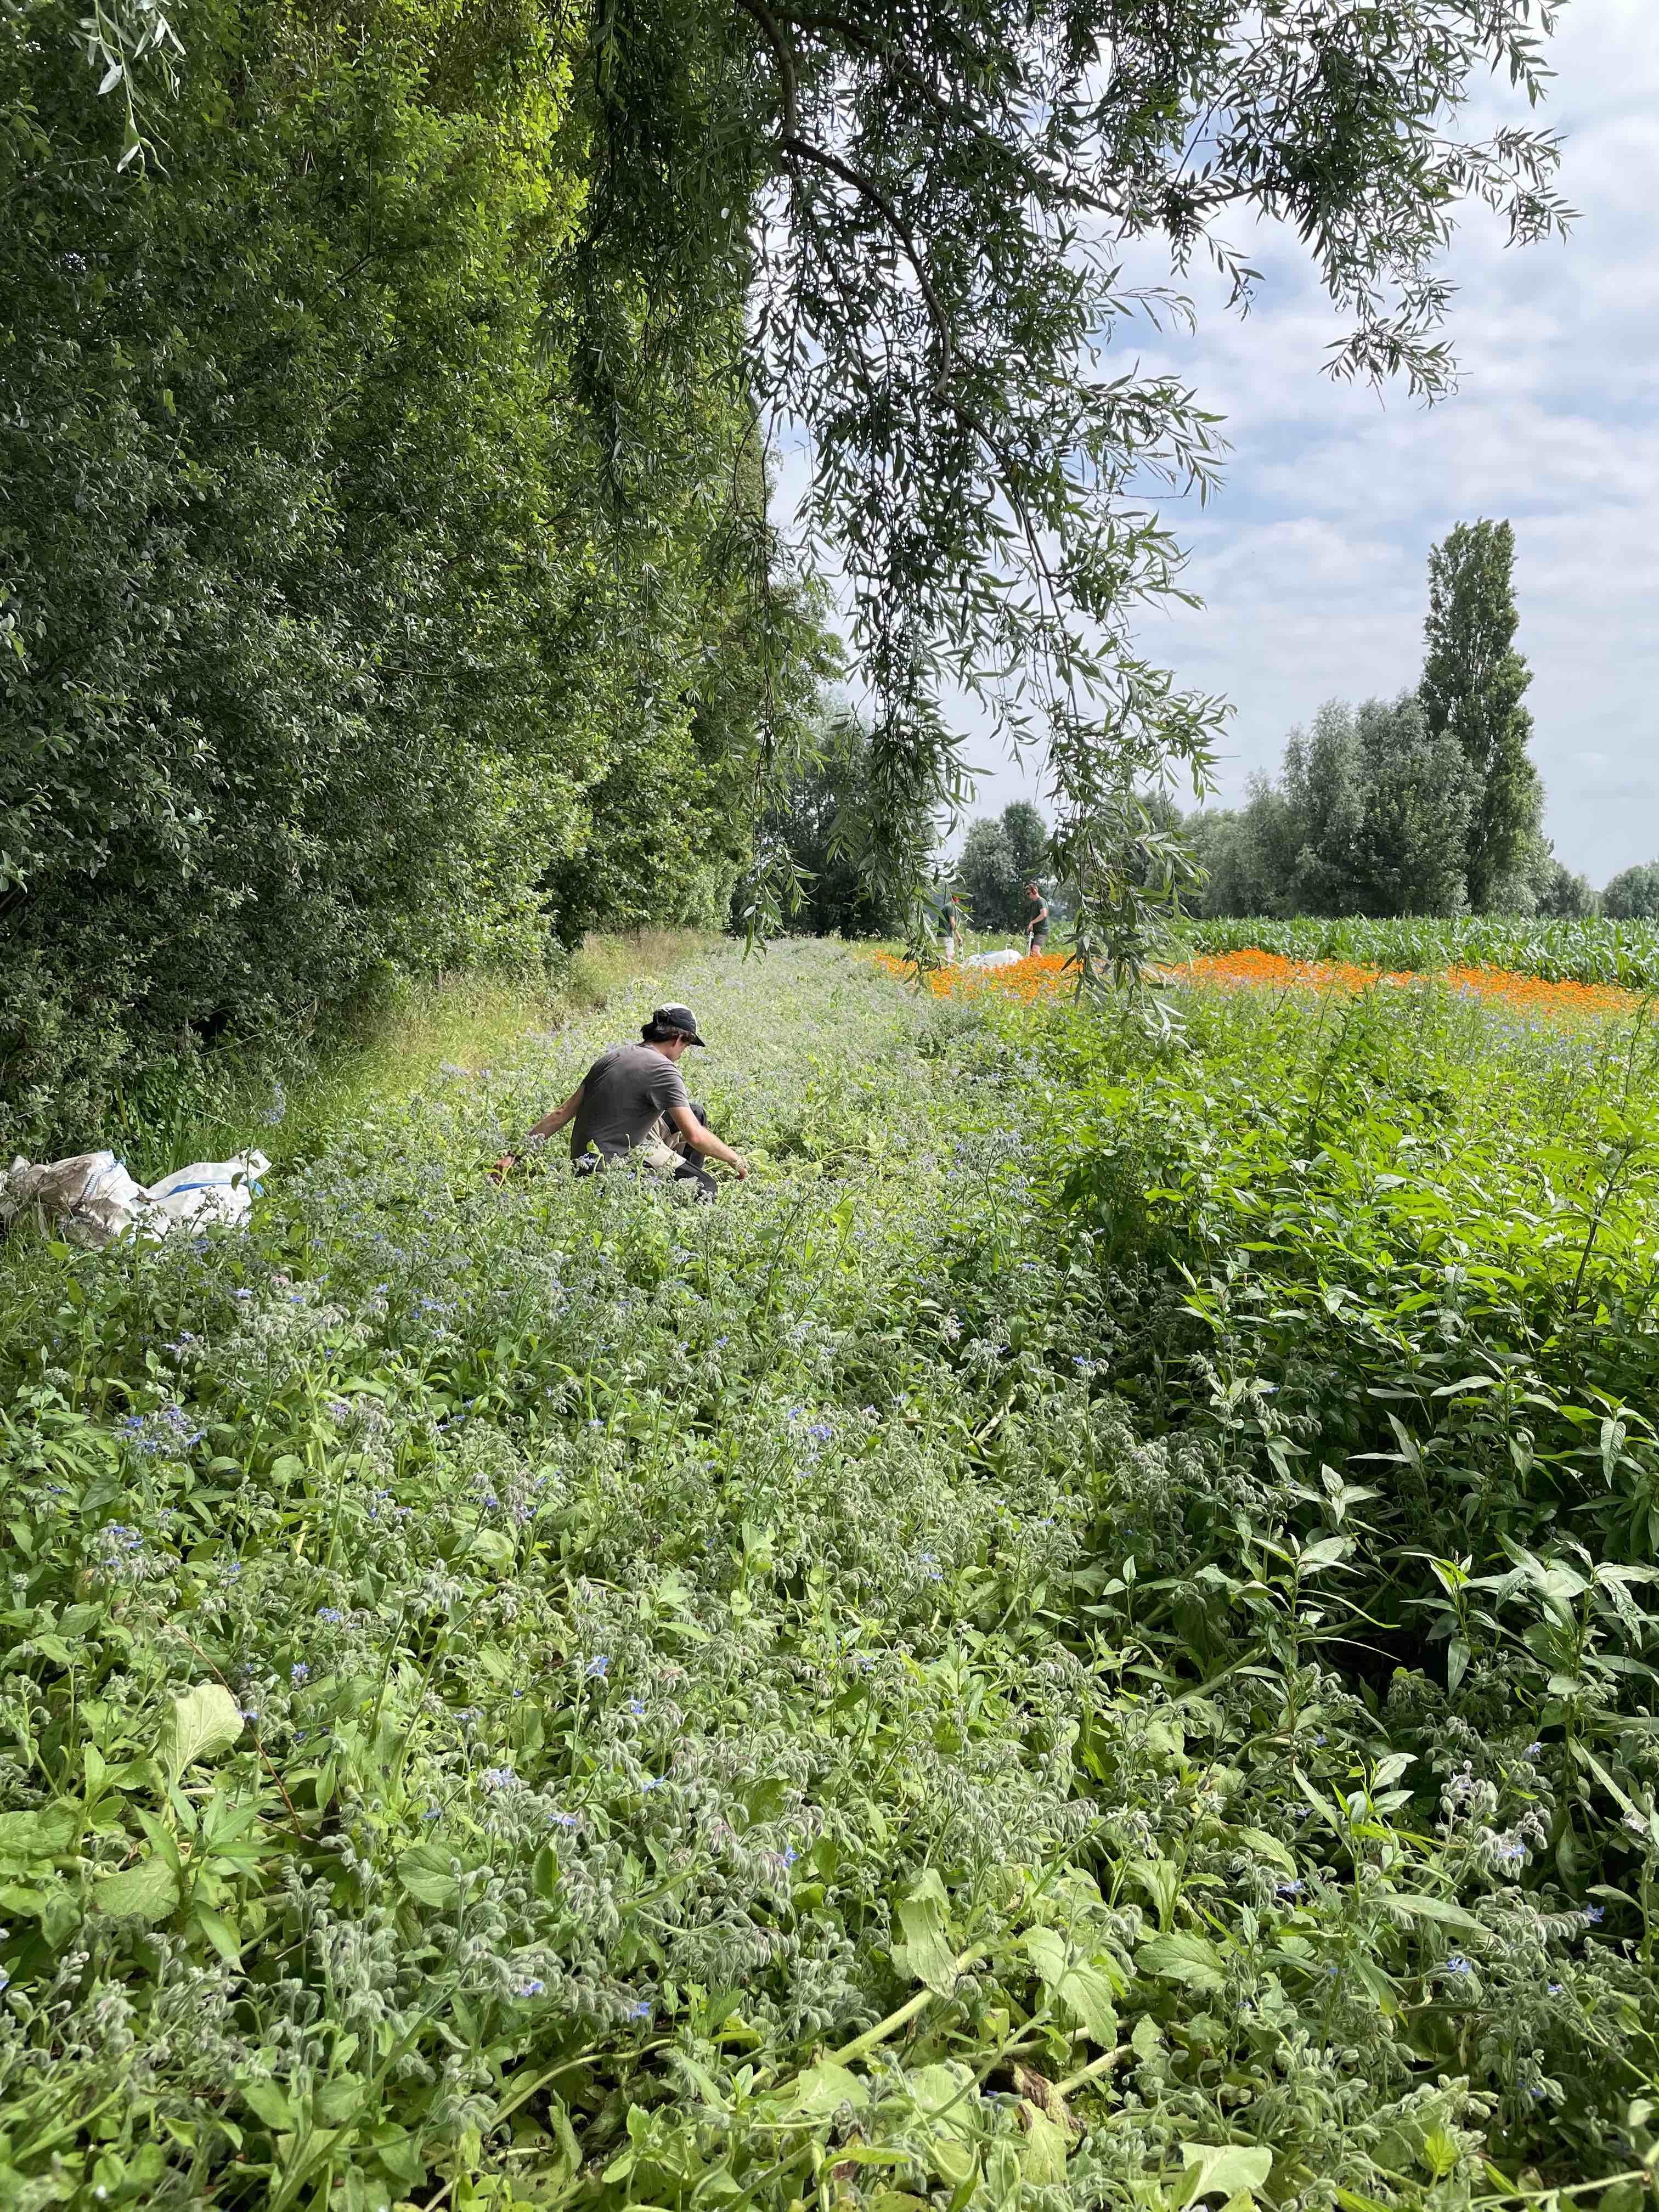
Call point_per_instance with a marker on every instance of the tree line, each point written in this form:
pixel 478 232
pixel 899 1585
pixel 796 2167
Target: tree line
pixel 1425 803
pixel 387 576
pixel 352 620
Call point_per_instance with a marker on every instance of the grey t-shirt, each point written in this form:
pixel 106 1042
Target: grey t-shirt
pixel 623 1094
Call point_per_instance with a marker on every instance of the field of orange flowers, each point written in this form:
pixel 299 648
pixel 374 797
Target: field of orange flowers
pixel 1046 975
pixel 1039 975
pixel 1515 993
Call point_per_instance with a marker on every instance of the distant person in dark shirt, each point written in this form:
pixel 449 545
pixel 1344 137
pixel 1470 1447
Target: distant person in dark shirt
pixel 1036 929
pixel 633 1103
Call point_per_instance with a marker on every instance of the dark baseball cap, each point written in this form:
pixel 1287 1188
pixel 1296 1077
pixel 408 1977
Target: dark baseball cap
pixel 680 1019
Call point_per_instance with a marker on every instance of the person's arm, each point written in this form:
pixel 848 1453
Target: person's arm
pixel 705 1140
pixel 548 1126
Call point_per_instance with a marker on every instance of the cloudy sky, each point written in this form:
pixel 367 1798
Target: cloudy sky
pixel 1311 562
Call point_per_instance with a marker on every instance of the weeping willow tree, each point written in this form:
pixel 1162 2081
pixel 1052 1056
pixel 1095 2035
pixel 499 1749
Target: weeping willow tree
pixel 938 214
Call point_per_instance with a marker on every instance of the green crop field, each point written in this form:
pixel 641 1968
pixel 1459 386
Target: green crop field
pixel 1594 951
pixel 1086 1638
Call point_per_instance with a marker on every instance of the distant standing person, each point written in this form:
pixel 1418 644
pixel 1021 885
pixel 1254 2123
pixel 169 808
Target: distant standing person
pixel 1036 929
pixel 633 1101
pixel 943 914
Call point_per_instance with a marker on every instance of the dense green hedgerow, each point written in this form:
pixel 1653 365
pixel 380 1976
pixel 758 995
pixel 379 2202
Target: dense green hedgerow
pixel 554 1696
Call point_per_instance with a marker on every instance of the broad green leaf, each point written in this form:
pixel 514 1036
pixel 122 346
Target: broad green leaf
pixel 268 2102
pixel 205 1721
pixel 1180 1957
pixel 1223 2169
pixel 1075 1983
pixel 825 2087
pixel 45 1834
pixel 426 1873
pixel 1268 1847
pixel 149 1891
pixel 924 1951
pixel 220 1933
pixel 944 2091
pixel 1043 2153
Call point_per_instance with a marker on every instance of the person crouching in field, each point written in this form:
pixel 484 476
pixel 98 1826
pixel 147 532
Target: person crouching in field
pixel 633 1104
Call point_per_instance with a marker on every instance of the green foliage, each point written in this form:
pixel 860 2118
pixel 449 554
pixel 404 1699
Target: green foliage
pixel 1000 855
pixel 809 841
pixel 1633 895
pixel 1369 816
pixel 389 576
pixel 1473 681
pixel 757 1703
pixel 324 658
pixel 928 209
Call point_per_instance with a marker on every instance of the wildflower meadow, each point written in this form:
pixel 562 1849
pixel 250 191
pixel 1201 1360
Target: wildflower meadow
pixel 1084 1639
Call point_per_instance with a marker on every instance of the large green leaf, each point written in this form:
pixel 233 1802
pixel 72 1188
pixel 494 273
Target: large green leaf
pixel 825 2087
pixel 924 1951
pixel 1223 2169
pixel 1077 1986
pixel 204 1721
pixel 427 1873
pixel 1180 1957
pixel 45 1834
pixel 149 1891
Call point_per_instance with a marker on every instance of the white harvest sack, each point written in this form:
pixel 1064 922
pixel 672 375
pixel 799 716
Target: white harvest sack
pixel 1004 959
pixel 206 1191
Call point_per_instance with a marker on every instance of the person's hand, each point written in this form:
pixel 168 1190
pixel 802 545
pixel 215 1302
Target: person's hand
pixel 508 1161
pixel 738 1165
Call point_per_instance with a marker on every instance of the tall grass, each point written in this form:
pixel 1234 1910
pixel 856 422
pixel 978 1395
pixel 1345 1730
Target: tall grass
pixel 285 1097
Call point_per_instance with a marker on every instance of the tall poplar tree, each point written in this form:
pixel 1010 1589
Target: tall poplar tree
pixel 1473 682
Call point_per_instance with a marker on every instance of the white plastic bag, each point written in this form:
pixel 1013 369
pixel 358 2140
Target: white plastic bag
pixel 206 1191
pixel 1003 960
